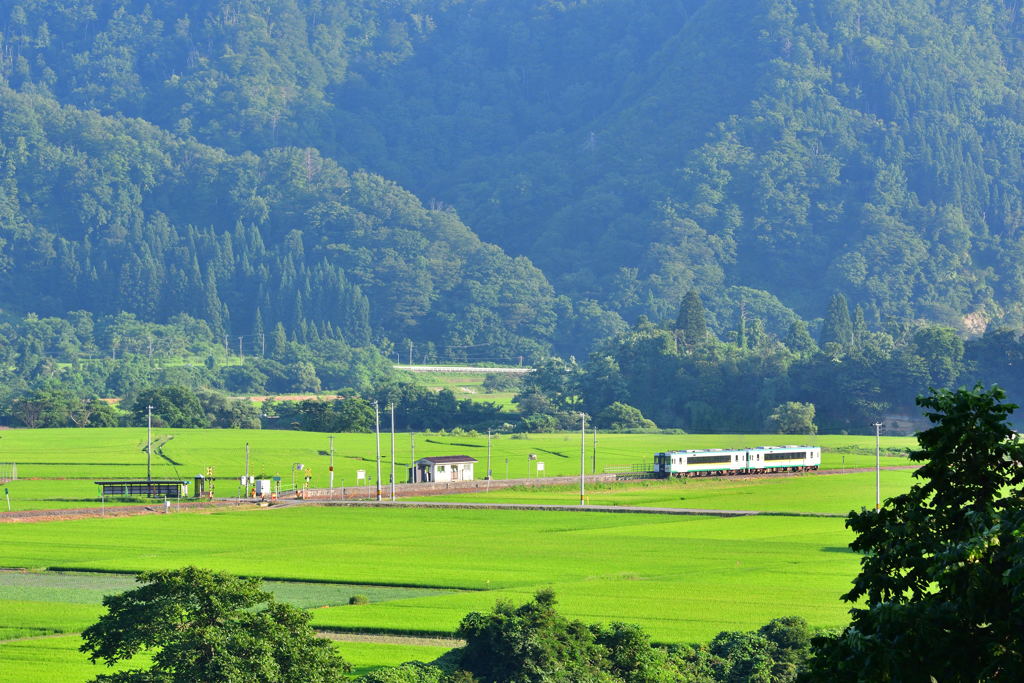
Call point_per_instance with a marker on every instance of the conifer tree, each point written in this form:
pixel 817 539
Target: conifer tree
pixel 278 342
pixel 838 327
pixel 692 321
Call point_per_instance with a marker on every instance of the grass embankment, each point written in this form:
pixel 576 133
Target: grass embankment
pixel 465 385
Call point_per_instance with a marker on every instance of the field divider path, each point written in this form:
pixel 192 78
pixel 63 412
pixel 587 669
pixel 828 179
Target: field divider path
pixel 62 514
pixel 340 636
pixel 627 509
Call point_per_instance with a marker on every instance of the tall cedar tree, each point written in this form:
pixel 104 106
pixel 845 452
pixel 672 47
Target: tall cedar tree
pixel 838 327
pixel 692 321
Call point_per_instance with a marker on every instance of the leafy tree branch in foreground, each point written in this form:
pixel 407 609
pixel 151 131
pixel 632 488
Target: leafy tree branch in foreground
pixel 942 577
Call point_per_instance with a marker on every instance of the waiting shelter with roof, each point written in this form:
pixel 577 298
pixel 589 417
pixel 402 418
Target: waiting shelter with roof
pixel 151 488
pixel 442 468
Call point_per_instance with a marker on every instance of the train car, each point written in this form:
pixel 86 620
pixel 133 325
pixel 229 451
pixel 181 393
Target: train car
pixel 720 462
pixel 783 459
pixel 708 463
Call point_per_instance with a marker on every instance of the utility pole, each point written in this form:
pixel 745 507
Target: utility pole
pixel 488 452
pixel 410 352
pixel 247 466
pixel 583 455
pixel 878 468
pixel 593 464
pixel 149 449
pixel 240 354
pixel 376 420
pixel 331 468
pixel 392 406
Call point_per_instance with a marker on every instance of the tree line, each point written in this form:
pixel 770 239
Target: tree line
pixel 682 375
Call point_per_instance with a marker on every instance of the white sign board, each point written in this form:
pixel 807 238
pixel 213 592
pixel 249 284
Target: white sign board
pixel 360 474
pixel 540 466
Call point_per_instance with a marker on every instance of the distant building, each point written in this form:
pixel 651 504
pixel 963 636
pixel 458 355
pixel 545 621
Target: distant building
pixel 442 468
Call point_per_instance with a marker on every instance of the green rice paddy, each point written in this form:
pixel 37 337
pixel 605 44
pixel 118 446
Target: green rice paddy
pixel 805 493
pixel 56 659
pixel 682 578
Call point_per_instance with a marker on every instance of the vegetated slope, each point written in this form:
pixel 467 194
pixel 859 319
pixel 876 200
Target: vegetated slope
pixel 109 214
pixel 796 148
pixel 765 152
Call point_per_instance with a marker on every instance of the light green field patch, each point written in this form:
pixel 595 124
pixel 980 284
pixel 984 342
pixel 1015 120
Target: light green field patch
pixel 57 659
pixel 53 660
pixel 25 618
pixel 365 657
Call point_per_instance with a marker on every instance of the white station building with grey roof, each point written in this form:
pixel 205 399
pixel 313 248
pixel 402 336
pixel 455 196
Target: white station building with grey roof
pixel 442 468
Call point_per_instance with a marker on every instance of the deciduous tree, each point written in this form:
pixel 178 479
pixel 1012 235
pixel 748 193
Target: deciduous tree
pixel 940 593
pixel 209 626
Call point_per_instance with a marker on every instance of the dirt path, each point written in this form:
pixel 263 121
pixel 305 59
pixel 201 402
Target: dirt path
pixel 39 637
pixel 391 639
pixel 61 514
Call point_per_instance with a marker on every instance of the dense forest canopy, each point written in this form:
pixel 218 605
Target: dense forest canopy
pixel 485 180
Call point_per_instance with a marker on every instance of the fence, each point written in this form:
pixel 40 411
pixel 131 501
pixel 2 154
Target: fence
pixel 8 471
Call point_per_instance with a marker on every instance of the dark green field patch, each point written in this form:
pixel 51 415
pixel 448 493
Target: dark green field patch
pixel 89 588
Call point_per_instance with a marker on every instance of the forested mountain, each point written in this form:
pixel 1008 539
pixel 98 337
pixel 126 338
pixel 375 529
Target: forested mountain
pixel 636 149
pixel 237 160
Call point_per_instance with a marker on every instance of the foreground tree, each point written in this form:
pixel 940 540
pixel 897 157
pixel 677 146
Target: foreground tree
pixel 208 626
pixel 531 643
pixel 942 577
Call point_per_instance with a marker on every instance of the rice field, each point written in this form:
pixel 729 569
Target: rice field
pixel 57 659
pixel 805 493
pixel 57 467
pixel 684 579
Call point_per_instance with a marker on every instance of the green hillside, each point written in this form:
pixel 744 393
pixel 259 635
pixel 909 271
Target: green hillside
pixel 766 154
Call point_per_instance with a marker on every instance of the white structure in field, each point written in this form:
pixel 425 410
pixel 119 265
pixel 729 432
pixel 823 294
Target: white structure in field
pixel 442 468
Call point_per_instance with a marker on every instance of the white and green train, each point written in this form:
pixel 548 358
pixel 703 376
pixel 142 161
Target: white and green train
pixel 718 462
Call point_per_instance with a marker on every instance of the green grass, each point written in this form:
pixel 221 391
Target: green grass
pixel 684 579
pixel 97 453
pixel 23 617
pixel 465 385
pixel 57 659
pixel 364 657
pixel 808 493
pixel 70 460
pixel 54 659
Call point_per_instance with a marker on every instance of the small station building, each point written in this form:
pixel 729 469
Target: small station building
pixel 442 468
